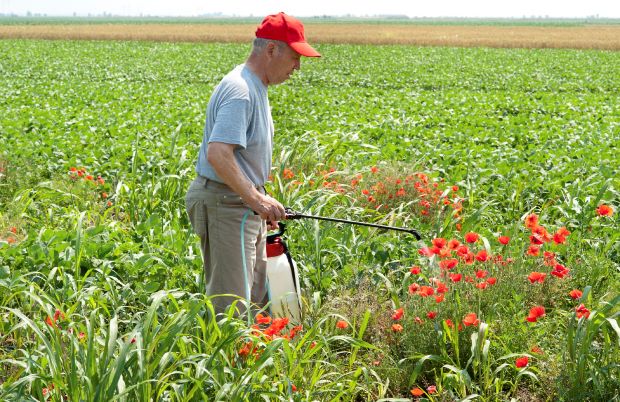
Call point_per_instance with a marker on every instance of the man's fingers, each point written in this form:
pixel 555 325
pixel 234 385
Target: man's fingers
pixel 270 209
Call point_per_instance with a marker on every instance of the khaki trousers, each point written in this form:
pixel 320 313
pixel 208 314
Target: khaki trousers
pixel 216 214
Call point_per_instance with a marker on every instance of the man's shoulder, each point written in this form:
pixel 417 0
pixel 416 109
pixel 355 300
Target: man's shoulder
pixel 236 84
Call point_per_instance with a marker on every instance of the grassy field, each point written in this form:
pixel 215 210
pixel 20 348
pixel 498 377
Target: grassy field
pixel 511 153
pixel 467 34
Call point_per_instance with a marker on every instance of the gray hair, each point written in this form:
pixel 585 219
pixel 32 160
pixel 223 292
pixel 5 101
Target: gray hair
pixel 261 43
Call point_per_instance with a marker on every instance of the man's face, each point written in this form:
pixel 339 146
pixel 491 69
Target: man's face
pixel 282 63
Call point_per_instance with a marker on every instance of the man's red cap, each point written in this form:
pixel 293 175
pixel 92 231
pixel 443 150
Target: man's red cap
pixel 287 29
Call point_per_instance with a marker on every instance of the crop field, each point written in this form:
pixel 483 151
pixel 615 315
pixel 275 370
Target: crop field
pixel 515 35
pixel 505 160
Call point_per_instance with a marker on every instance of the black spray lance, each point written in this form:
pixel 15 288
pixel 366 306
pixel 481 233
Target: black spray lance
pixel 290 214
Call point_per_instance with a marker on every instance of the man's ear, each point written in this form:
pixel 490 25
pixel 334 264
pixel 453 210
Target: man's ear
pixel 271 48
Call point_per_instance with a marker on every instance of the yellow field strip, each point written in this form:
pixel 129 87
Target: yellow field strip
pixel 579 37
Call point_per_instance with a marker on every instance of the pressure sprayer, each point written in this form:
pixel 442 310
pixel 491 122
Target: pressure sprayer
pixel 282 275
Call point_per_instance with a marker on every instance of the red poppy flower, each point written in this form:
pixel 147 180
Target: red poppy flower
pixel 492 280
pixel 576 294
pixel 471 237
pixel 559 237
pixel 563 231
pixel 263 319
pixel 365 192
pixel 536 239
pixel 425 291
pixel 449 323
pixel 549 258
pixel 342 324
pixel 560 271
pixel 374 169
pixel 397 328
pixel 531 221
pixel 536 277
pixel 426 252
pixel 481 273
pixel 431 314
pixel 453 244
pixel 533 250
pixel 521 361
pixel 582 311
pixel 413 288
pixel 288 174
pixel 445 252
pixel 503 240
pixel 535 313
pixel 482 255
pixel 431 389
pixel 471 320
pixel 536 349
pixel 455 277
pixel 439 242
pixel 604 210
pixel 469 258
pixel 482 285
pixel 417 392
pixel 462 251
pixel 415 270
pixel 441 288
pixel 448 264
pixel 439 298
pixel 398 314
pixel 541 233
pixel 293 332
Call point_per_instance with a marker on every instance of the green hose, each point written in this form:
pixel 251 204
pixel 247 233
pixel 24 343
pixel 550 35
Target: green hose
pixel 245 269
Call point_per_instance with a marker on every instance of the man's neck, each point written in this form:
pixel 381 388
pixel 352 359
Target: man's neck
pixel 257 67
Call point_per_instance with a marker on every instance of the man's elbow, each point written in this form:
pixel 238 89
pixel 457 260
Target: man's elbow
pixel 218 152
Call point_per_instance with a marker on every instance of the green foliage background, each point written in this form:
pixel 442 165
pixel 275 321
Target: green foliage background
pixel 518 131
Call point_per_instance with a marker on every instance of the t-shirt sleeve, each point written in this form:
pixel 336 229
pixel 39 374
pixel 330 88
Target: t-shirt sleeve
pixel 231 122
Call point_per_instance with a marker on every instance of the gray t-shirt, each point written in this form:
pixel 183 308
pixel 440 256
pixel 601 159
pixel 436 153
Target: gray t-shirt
pixel 239 113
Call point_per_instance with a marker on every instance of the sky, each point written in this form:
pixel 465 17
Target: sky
pixel 259 8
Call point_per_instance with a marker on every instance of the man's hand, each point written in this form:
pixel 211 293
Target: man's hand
pixel 268 208
pixel 221 157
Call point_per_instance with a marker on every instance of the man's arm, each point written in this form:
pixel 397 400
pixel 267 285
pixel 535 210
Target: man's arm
pixel 221 157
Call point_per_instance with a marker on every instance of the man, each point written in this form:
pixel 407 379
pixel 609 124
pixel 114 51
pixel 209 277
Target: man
pixel 227 204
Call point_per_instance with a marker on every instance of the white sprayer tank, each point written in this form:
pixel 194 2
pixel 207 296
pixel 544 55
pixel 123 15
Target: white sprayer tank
pixel 283 282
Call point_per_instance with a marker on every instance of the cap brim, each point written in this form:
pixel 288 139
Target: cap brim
pixel 304 49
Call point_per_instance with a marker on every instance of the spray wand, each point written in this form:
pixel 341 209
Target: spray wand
pixel 290 214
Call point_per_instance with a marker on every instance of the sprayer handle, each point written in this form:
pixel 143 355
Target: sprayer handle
pixel 290 214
